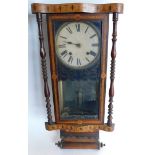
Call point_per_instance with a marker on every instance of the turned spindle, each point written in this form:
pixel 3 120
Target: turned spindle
pixel 44 68
pixel 112 72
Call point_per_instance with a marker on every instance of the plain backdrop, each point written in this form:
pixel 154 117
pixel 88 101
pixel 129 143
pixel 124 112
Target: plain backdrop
pixel 21 83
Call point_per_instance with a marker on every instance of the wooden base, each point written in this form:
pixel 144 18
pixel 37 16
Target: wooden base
pixel 79 140
pixel 79 136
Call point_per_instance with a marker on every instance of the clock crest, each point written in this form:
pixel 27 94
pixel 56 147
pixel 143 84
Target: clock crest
pixel 78 38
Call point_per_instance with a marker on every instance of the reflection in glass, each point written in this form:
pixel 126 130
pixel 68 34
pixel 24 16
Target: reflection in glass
pixel 78 99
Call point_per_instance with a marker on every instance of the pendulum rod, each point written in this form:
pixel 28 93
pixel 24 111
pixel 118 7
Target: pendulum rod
pixel 44 68
pixel 112 72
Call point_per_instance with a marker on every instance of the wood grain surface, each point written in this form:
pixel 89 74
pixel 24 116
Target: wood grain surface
pixel 79 128
pixel 112 70
pixel 77 7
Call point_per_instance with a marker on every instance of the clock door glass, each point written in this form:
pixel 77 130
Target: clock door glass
pixel 79 99
pixel 78 48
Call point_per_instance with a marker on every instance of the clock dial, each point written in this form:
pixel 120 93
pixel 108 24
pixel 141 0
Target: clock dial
pixel 77 44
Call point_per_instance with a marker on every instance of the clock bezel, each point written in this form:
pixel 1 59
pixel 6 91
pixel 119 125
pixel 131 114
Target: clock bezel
pixel 99 47
pixel 104 18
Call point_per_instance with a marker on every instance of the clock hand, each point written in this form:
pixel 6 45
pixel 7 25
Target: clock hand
pixel 77 45
pixel 68 42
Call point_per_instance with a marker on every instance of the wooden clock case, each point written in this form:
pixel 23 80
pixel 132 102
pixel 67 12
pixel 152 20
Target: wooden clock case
pixel 78 134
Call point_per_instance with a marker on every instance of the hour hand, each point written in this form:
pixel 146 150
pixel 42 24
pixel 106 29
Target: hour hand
pixel 68 42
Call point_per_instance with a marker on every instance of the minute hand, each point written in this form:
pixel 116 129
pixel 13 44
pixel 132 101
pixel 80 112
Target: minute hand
pixel 68 42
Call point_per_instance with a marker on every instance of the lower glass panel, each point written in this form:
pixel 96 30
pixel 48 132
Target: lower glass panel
pixel 79 99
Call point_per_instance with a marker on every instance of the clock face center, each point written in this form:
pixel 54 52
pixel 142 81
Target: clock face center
pixel 78 38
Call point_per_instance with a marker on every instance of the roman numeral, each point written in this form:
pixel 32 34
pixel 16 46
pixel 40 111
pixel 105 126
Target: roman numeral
pixel 92 53
pixel 63 37
pixel 69 30
pixel 86 29
pixel 70 59
pixel 87 59
pixel 95 44
pixel 78 61
pixel 77 27
pixel 93 36
pixel 64 53
pixel 62 46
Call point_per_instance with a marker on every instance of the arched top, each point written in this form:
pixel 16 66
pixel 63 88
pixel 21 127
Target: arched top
pixel 77 7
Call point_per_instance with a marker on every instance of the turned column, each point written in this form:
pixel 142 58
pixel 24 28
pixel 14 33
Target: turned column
pixel 112 72
pixel 44 68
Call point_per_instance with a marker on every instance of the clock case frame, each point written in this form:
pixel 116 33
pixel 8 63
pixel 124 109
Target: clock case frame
pixel 104 18
pixel 78 134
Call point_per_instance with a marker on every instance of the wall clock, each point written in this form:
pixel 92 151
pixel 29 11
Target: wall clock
pixel 78 38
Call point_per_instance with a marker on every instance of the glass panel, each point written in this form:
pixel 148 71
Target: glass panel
pixel 79 99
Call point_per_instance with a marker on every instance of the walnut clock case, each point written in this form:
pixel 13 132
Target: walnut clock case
pixel 78 39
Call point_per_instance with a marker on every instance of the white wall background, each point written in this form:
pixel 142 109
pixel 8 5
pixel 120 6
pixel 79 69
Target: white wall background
pixel 134 100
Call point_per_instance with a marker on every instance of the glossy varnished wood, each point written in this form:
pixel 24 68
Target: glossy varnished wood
pixel 112 74
pixel 77 7
pixel 44 68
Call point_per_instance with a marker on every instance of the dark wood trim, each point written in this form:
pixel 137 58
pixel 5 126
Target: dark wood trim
pixel 77 8
pixel 44 68
pixel 78 17
pixel 79 145
pixel 112 74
